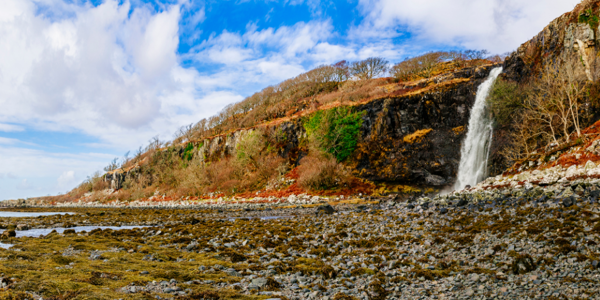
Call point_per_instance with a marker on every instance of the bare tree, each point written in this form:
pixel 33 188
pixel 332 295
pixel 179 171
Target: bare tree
pixel 113 165
pixel 342 72
pixel 571 81
pixel 422 65
pixel 369 68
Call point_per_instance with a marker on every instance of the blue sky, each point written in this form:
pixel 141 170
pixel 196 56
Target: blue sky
pixel 84 81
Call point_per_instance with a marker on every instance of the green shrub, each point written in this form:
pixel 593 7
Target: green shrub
pixel 335 131
pixel 589 18
pixel 188 153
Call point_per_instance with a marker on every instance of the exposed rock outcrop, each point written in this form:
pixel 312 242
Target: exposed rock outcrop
pixel 412 138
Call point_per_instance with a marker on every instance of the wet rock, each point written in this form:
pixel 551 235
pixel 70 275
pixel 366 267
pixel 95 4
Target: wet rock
pixel 325 209
pixel 435 180
pixel 21 227
pixel 9 233
pixel 567 202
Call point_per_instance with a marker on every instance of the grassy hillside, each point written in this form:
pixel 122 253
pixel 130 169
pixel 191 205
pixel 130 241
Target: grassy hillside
pixel 320 102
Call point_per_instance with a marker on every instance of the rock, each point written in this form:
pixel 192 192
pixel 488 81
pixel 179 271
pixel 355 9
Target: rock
pixel 435 180
pixel 21 227
pixel 232 272
pixel 567 202
pixel 191 246
pixel 462 203
pixel 469 292
pixel 94 255
pixel 568 192
pixel 443 210
pixel 9 233
pixel 325 209
pixel 259 282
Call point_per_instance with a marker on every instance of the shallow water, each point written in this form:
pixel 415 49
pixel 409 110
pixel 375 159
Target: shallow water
pixel 45 231
pixel 15 214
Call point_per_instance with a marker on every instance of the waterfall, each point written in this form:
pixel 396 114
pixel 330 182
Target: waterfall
pixel 475 150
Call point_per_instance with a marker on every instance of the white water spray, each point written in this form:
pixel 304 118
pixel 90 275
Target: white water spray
pixel 476 147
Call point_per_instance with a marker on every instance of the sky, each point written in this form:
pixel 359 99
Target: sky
pixel 85 81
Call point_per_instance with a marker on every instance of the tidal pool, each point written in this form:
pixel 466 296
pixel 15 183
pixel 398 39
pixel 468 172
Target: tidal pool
pixel 44 231
pixel 16 214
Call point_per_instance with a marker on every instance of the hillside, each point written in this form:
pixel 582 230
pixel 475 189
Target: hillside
pixel 560 63
pixel 356 136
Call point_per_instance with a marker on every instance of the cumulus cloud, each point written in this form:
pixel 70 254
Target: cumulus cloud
pixel 496 25
pixel 270 55
pixel 110 71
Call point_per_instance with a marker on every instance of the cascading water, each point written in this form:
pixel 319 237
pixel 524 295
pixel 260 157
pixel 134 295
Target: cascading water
pixel 476 147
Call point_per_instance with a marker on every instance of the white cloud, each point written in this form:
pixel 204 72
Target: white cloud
pixel 66 179
pixel 496 25
pixel 271 55
pixel 10 128
pixel 111 71
pixel 8 141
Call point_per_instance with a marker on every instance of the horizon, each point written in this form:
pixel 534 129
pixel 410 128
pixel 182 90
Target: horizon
pixel 84 82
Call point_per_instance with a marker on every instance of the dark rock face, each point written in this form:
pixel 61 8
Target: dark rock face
pixel 413 138
pixel 387 150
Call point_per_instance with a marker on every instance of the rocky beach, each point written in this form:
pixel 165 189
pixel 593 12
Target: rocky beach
pixel 515 243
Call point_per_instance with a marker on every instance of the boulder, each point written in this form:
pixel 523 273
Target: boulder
pixel 435 180
pixel 22 227
pixel 259 282
pixel 325 209
pixel 9 233
pixel 567 202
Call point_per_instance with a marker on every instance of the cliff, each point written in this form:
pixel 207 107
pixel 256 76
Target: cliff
pixel 572 38
pixel 411 135
pixel 573 33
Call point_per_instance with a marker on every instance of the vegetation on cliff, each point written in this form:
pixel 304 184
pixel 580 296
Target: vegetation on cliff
pixel 257 154
pixel 548 109
pixel 549 90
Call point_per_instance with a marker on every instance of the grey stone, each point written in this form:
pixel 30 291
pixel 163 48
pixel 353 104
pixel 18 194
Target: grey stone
pixel 259 282
pixel 435 180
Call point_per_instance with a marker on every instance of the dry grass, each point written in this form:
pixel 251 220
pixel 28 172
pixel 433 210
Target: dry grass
pixel 320 172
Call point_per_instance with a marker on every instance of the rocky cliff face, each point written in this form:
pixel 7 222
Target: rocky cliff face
pixel 413 138
pixel 574 35
pixel 416 139
pixel 569 34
